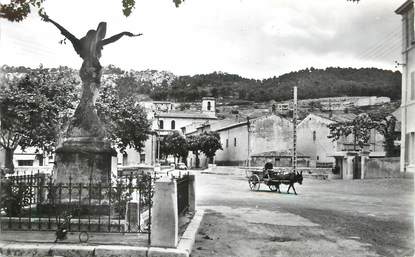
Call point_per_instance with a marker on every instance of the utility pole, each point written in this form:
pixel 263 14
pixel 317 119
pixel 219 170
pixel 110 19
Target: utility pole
pixel 249 141
pixel 294 158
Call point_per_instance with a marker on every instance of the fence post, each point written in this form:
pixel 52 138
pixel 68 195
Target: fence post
pixel 164 218
pixel 192 193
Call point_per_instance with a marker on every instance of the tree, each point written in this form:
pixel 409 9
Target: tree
pixel 195 145
pixel 176 145
pixel 18 10
pixel 210 143
pixel 35 109
pixel 385 124
pixel 124 120
pixel 359 127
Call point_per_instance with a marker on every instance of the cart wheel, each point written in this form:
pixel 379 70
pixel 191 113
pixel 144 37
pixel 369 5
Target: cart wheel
pixel 83 237
pixel 273 187
pixel 254 182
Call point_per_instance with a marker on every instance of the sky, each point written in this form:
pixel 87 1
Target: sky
pixel 253 38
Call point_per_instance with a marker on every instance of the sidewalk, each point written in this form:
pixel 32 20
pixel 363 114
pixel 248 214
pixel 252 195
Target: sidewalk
pixel 40 244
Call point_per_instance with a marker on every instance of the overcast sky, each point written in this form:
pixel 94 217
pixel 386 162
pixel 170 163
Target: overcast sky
pixel 253 38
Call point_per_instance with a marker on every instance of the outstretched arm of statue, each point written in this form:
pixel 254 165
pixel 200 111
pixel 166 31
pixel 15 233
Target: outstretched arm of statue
pixel 66 33
pixel 118 36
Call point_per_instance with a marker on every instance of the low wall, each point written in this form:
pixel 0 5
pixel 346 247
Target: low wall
pixel 28 170
pixel 319 173
pixel 382 167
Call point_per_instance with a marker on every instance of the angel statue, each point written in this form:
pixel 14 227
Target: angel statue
pixel 86 122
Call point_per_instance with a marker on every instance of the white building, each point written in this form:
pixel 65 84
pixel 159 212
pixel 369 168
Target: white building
pixel 313 132
pixel 240 140
pixel 408 87
pixel 165 119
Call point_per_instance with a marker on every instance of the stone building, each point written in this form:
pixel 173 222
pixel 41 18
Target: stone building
pixel 406 10
pixel 312 138
pixel 240 140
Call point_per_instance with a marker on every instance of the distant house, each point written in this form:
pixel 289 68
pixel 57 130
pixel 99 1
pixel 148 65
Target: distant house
pixel 312 138
pixel 30 157
pixel 408 87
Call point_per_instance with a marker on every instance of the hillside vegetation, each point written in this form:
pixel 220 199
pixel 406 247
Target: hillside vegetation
pixel 312 83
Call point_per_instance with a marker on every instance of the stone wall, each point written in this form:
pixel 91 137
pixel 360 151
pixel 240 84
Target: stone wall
pixel 382 167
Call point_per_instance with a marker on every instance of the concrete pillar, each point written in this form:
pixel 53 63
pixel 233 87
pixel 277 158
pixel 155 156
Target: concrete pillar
pixel 364 157
pixel 348 171
pixel 131 215
pixel 164 217
pixel 192 193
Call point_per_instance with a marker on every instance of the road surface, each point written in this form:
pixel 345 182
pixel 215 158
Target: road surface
pixel 326 218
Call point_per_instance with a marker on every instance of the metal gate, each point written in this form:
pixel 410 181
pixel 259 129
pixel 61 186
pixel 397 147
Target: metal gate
pixel 34 203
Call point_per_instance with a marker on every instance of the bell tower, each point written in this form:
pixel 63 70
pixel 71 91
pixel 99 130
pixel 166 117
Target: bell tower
pixel 209 105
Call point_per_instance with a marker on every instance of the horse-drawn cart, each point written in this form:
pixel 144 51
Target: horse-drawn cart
pixel 273 178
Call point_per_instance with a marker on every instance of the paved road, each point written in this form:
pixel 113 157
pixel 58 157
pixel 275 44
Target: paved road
pixel 326 218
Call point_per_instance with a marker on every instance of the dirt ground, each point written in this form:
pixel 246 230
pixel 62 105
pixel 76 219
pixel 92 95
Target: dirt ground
pixel 326 218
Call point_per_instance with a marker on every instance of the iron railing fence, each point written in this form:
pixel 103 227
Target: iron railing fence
pixel 182 193
pixel 34 202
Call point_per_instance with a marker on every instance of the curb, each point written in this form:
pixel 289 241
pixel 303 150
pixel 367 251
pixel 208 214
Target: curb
pixel 183 249
pixel 189 236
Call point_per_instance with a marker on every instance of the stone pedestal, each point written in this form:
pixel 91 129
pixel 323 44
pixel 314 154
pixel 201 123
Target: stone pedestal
pixel 192 193
pixel 83 159
pixel 164 218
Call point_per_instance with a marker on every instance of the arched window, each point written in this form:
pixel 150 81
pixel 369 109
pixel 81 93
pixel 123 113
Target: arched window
pixel 173 124
pixel 209 106
pixel 161 124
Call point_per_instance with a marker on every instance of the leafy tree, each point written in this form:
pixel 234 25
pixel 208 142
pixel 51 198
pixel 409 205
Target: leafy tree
pixel 210 143
pixel 124 120
pixel 385 124
pixel 359 127
pixel 195 145
pixel 35 109
pixel 176 145
pixel 18 10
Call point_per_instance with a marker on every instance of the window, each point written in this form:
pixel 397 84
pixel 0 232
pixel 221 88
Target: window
pixel 209 105
pixel 40 158
pixel 25 162
pixel 409 29
pixel 314 136
pixel 161 124
pixel 142 158
pixel 227 143
pixel 234 141
pixel 173 124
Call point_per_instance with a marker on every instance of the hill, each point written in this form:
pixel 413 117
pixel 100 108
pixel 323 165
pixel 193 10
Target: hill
pixel 234 89
pixel 312 83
